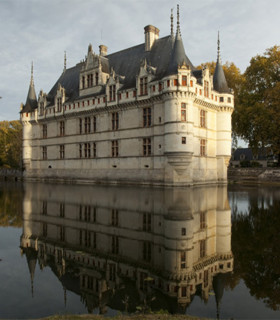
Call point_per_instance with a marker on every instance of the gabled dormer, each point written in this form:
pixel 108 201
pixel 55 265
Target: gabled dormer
pixel 145 76
pixel 112 86
pixel 42 102
pixel 59 98
pixel 94 72
pixel 207 81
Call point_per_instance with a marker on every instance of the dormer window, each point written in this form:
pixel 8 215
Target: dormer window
pixel 96 78
pixel 206 89
pixel 143 86
pixel 112 92
pixel 184 81
pixel 59 104
pixel 90 80
pixel 41 108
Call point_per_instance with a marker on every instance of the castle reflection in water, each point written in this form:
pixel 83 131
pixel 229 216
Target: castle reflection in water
pixel 128 247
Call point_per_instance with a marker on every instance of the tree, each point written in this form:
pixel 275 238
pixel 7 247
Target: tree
pixel 10 144
pixel 256 117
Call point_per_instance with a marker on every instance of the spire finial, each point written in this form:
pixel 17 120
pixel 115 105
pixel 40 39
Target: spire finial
pixel 218 55
pixel 64 61
pixel 178 20
pixel 171 18
pixel 32 80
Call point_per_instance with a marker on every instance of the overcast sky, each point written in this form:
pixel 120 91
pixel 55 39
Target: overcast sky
pixel 41 30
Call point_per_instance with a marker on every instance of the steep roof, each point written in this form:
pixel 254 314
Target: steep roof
pixel 219 79
pixel 178 56
pixel 31 100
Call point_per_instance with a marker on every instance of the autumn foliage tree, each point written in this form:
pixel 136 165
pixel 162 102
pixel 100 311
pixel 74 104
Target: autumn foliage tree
pixel 10 144
pixel 256 116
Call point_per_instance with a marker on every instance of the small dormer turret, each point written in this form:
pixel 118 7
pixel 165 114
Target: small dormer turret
pixel 103 50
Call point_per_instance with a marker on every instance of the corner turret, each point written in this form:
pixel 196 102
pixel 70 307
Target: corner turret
pixel 31 101
pixel 219 79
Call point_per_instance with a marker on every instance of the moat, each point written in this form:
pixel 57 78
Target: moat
pixel 205 251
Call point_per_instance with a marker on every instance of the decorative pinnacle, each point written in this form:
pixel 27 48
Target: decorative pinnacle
pixel 171 18
pixel 218 55
pixel 32 80
pixel 178 20
pixel 64 61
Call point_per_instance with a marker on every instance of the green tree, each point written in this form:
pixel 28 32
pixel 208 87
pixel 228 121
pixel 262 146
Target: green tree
pixel 256 117
pixel 10 144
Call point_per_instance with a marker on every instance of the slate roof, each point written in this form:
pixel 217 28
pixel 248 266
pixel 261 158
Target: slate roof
pixel 31 101
pixel 165 56
pixel 219 79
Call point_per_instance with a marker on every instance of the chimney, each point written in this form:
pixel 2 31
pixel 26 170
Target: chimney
pixel 151 34
pixel 103 50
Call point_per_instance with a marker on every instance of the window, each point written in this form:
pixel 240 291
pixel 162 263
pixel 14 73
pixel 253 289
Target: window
pixel 61 151
pixel 175 82
pixel 44 208
pixel 143 86
pixel 41 108
pixel 87 125
pixel 147 117
pixel 115 121
pixel 115 244
pixel 115 217
pixel 202 248
pixel 96 78
pixel 229 100
pixel 61 128
pixel 147 148
pixel 221 99
pixel 45 131
pixel 202 220
pixel 45 230
pixel 87 150
pixel 94 124
pixel 94 149
pixel 160 87
pixel 112 92
pixel 44 151
pixel 83 82
pixel 59 104
pixel 147 218
pixel 90 80
pixel 184 80
pixel 184 291
pixel 62 233
pixel 115 148
pixel 81 126
pixel 202 147
pixel 203 118
pixel 206 89
pixel 183 112
pixel 143 284
pixel 62 210
pixel 81 150
pixel 147 251
pixel 191 83
pixel 127 94
pixel 183 260
pixel 184 140
pixel 168 83
pixel 183 231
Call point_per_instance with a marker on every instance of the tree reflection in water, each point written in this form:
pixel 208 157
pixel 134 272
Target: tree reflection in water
pixel 255 244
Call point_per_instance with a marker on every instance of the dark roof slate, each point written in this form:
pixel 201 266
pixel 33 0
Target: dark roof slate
pixel 31 101
pixel 219 79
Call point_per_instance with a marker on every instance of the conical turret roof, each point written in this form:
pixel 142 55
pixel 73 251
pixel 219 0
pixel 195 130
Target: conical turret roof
pixel 31 101
pixel 178 56
pixel 219 79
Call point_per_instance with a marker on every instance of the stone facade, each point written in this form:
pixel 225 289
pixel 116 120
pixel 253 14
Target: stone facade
pixel 144 115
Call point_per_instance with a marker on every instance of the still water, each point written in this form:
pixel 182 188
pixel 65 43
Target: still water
pixel 208 251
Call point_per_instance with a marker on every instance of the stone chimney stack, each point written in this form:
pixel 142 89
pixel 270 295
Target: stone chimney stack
pixel 151 34
pixel 103 50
